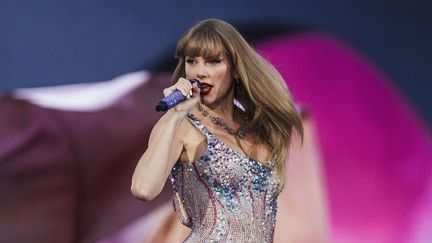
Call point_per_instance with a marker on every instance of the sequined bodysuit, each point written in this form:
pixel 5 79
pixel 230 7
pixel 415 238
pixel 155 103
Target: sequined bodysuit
pixel 228 197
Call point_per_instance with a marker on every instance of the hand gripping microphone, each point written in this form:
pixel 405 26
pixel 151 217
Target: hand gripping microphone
pixel 174 98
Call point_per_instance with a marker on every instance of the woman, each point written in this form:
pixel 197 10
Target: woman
pixel 225 146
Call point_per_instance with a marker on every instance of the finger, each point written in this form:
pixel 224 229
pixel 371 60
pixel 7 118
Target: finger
pixel 169 90
pixel 183 81
pixel 183 85
pixel 190 88
pixel 196 90
pixel 183 90
pixel 187 88
pixel 186 82
pixel 173 87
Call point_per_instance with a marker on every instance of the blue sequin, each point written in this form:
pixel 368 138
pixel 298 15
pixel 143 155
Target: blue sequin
pixel 228 197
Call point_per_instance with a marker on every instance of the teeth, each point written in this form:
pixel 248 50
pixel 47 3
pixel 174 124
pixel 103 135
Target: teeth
pixel 206 88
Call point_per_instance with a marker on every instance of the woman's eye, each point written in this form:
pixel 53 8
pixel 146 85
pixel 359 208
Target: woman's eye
pixel 190 61
pixel 215 61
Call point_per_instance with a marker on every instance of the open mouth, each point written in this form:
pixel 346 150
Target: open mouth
pixel 205 88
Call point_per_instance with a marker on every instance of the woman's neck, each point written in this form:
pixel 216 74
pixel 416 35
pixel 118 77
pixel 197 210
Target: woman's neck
pixel 225 110
pixel 223 107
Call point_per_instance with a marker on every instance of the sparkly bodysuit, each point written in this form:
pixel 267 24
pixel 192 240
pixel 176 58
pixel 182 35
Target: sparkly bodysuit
pixel 228 197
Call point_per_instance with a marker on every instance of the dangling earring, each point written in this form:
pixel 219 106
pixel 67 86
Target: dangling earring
pixel 236 79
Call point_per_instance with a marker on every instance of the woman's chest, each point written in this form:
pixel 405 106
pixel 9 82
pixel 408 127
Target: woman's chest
pixel 196 144
pixel 223 168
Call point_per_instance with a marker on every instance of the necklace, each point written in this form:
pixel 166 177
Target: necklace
pixel 240 133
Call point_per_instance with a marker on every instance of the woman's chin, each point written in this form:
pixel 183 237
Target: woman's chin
pixel 206 100
pixel 206 92
pixel 206 96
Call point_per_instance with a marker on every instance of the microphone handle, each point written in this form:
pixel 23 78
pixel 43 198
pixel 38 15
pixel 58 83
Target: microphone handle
pixel 170 101
pixel 174 98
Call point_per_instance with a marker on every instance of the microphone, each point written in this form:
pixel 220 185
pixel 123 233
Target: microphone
pixel 174 98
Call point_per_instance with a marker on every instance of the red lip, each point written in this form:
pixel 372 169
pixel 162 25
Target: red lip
pixel 206 89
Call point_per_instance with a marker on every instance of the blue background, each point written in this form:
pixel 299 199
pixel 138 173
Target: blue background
pixel 55 42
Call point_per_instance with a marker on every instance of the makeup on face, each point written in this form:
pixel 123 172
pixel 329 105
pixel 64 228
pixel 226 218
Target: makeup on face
pixel 212 72
pixel 205 88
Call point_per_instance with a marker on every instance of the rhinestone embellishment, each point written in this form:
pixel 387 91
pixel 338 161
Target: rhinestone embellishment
pixel 228 196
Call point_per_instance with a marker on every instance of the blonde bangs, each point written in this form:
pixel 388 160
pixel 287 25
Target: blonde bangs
pixel 202 42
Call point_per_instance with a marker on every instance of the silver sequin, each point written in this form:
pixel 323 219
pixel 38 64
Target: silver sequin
pixel 229 197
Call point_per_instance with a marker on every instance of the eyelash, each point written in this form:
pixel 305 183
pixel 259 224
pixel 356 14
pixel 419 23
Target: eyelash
pixel 213 61
pixel 190 61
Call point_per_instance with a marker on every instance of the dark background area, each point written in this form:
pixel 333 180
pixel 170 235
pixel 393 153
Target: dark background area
pixel 57 42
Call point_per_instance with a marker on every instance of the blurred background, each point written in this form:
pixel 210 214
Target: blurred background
pixel 79 80
pixel 57 42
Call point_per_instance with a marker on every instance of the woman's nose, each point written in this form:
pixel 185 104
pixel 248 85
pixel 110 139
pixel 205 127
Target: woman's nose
pixel 201 71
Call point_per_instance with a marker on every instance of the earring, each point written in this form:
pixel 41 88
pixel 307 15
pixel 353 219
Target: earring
pixel 236 79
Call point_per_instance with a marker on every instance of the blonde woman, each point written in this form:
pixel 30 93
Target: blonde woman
pixel 225 146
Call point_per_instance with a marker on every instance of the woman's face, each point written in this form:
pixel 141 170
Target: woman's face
pixel 214 73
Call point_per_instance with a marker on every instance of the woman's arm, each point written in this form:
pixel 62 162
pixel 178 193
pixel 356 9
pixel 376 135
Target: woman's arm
pixel 165 144
pixel 165 147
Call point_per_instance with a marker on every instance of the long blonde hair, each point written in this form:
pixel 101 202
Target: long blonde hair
pixel 260 89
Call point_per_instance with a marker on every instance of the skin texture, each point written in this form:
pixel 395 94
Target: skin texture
pixel 173 138
pixel 216 72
